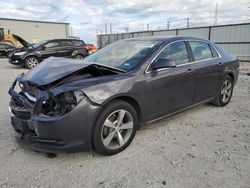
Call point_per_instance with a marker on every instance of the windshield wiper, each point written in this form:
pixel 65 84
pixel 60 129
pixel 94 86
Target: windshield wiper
pixel 100 66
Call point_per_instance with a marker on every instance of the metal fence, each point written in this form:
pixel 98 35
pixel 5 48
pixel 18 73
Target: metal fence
pixel 234 38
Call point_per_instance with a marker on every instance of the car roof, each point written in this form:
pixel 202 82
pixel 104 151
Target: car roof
pixel 65 39
pixel 165 38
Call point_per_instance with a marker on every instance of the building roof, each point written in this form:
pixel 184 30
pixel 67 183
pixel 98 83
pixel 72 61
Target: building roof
pixel 37 21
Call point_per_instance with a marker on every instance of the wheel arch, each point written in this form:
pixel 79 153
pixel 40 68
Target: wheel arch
pixel 83 52
pixel 231 75
pixel 133 102
pixel 32 55
pixel 127 99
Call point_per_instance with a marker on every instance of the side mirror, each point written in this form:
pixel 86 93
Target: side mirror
pixel 163 63
pixel 43 48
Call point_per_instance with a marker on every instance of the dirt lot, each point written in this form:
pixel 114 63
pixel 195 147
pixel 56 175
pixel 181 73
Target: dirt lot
pixel 205 146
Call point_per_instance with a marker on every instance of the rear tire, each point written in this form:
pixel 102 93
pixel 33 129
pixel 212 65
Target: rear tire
pixel 31 62
pixel 115 128
pixel 224 92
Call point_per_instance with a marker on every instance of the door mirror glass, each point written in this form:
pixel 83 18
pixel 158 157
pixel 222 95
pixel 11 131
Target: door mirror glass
pixel 164 63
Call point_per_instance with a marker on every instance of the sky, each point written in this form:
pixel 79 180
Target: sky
pixel 87 18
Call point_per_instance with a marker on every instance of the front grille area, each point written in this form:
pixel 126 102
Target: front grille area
pixel 21 104
pixel 22 127
pixel 21 114
pixel 20 108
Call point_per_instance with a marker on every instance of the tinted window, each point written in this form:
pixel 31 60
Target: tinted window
pixel 214 53
pixel 177 52
pixel 66 43
pixel 78 43
pixel 200 50
pixel 52 44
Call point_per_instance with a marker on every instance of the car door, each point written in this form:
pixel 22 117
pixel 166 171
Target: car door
pixel 169 89
pixel 50 49
pixel 66 48
pixel 209 67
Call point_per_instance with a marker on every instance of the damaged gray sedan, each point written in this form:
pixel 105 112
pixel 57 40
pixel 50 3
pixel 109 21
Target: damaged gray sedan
pixel 99 103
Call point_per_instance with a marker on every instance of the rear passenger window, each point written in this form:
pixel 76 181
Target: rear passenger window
pixel 176 51
pixel 66 43
pixel 214 53
pixel 201 50
pixel 78 43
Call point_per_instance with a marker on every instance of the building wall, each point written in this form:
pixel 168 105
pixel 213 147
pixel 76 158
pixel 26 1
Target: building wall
pixel 33 31
pixel 235 38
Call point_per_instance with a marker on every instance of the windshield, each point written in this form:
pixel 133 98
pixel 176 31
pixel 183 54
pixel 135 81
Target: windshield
pixel 39 44
pixel 125 55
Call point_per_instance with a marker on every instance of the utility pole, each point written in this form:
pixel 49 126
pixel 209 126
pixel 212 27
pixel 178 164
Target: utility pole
pixel 216 14
pixel 110 28
pixel 168 25
pixel 71 30
pixel 248 15
pixel 188 19
pixel 106 28
pixel 127 29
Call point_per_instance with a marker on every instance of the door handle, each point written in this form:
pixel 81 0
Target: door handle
pixel 189 71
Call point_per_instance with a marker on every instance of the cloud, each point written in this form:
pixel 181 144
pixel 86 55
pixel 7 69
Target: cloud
pixel 88 17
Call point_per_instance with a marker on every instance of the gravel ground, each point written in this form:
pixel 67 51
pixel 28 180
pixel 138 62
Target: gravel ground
pixel 205 146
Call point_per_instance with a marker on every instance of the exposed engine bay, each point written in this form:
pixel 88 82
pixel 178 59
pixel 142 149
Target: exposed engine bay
pixel 29 98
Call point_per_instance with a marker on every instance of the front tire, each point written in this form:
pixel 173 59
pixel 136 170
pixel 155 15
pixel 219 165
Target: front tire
pixel 31 62
pixel 115 128
pixel 79 57
pixel 224 93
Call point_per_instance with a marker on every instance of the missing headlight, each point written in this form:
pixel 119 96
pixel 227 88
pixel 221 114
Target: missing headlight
pixel 61 104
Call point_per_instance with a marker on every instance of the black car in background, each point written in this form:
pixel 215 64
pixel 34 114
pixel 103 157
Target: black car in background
pixel 64 104
pixel 5 49
pixel 33 54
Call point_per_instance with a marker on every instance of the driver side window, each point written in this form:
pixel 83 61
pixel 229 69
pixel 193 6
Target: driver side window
pixel 176 51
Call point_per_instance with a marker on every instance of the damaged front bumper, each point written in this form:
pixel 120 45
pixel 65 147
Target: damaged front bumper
pixel 69 132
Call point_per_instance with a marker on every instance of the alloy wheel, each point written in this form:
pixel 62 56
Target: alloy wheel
pixel 226 91
pixel 80 57
pixel 117 129
pixel 32 62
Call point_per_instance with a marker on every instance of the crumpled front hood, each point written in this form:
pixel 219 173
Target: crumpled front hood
pixel 53 69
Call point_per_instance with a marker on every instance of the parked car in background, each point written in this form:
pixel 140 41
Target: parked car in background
pixel 5 49
pixel 33 54
pixel 68 105
pixel 91 48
